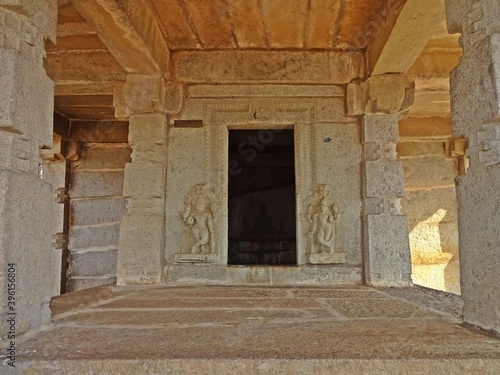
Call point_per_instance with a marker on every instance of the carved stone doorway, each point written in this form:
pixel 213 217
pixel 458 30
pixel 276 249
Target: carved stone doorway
pixel 262 197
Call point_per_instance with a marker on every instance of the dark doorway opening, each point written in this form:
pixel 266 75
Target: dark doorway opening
pixel 261 209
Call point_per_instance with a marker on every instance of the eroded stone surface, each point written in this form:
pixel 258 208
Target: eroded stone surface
pixel 26 199
pixel 360 329
pixel 386 237
pixel 475 87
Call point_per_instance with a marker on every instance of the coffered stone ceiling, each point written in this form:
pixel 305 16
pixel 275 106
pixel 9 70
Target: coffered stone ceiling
pixel 100 41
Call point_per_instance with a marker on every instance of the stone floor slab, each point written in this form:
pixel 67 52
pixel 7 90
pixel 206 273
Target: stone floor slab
pixel 244 330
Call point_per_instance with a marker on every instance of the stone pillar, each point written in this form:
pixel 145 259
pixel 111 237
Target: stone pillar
pixel 381 100
pixel 145 100
pixel 26 108
pixel 475 93
pixel 54 172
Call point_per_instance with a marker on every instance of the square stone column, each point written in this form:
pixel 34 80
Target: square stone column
pixel 26 108
pixel 387 249
pixel 475 93
pixel 145 100
pixel 381 100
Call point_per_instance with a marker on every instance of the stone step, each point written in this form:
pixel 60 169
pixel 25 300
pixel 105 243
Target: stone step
pixel 255 330
pixel 264 367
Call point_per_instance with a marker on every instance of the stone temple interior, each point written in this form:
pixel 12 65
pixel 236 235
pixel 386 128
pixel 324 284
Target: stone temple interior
pixel 261 199
pixel 170 166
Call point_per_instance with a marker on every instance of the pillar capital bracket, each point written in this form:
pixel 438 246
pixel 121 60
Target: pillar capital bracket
pixel 146 93
pixel 384 94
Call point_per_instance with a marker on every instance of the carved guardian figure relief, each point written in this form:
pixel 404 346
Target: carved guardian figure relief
pixel 322 219
pixel 199 218
pixel 322 215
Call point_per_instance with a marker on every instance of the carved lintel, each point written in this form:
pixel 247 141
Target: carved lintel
pixel 188 123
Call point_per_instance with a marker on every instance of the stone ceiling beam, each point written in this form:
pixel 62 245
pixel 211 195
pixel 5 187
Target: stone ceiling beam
pixel 85 88
pixel 254 66
pixel 124 36
pixel 395 52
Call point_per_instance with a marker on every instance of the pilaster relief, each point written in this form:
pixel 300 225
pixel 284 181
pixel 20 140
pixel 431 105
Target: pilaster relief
pixel 198 219
pixel 26 103
pixel 19 154
pixel 383 100
pixel 18 32
pixel 40 15
pixel 479 19
pixel 489 144
pixel 142 100
pixel 384 185
pixel 323 214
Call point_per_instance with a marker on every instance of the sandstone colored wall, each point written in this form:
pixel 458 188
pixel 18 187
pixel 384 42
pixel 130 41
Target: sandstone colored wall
pixel 430 203
pixel 97 207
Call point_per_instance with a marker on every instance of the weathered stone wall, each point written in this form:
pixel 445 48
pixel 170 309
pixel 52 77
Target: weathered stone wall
pixel 382 100
pixel 328 153
pixel 26 106
pixel 430 202
pixel 97 207
pixel 54 172
pixel 475 90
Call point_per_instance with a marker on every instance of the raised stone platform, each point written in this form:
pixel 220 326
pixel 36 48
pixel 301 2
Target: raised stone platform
pixel 253 330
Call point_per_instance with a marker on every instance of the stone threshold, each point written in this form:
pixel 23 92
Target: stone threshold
pixel 307 275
